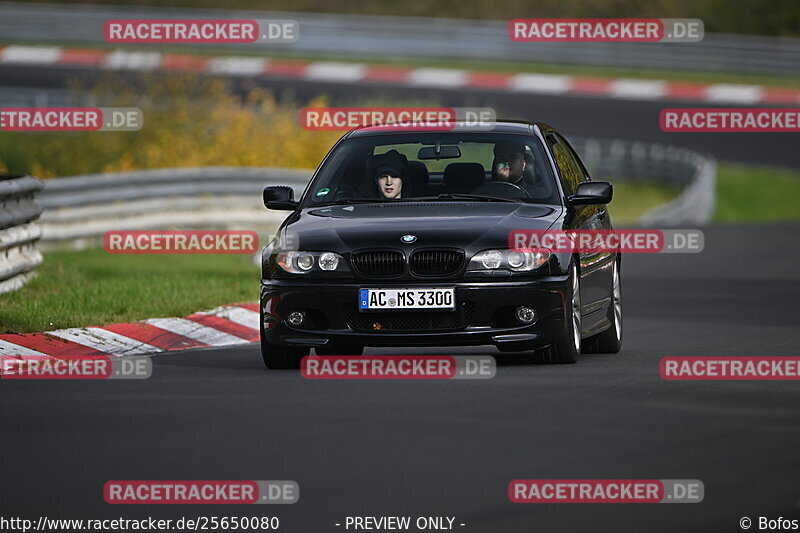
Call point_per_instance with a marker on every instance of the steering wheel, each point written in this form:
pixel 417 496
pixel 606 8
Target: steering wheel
pixel 503 189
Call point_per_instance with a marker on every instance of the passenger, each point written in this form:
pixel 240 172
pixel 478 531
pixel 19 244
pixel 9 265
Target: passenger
pixel 388 172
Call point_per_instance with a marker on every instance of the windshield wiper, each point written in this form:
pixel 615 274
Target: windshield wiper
pixel 443 196
pixel 459 196
pixel 348 201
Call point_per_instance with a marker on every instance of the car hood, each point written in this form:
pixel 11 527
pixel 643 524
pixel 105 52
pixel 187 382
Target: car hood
pixel 467 225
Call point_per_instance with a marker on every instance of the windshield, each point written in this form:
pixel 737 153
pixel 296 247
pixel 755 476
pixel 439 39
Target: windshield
pixel 435 166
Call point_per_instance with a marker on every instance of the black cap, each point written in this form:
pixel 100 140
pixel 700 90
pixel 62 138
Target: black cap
pixel 392 162
pixel 510 145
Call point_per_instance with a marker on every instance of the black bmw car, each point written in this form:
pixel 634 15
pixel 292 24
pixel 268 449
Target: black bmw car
pixel 402 239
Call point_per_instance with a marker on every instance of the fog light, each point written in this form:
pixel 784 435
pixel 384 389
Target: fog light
pixel 296 318
pixel 526 315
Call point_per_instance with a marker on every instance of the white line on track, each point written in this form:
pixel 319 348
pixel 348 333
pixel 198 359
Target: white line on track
pixel 437 77
pixel 345 72
pixel 239 315
pixel 9 348
pixel 638 89
pixel 738 94
pixel 541 83
pixel 237 65
pixel 105 341
pixel 193 330
pixel 37 55
pixel 132 60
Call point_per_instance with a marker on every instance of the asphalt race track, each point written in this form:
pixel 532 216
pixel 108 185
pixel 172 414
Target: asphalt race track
pixel 575 115
pixel 451 447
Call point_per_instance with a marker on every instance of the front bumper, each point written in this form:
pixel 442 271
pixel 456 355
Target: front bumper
pixel 484 314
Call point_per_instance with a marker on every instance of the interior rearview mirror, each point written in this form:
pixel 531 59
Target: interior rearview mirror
pixel 592 193
pixel 279 197
pixel 443 152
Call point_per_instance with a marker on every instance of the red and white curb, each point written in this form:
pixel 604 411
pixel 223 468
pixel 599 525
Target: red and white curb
pixel 224 326
pixel 322 71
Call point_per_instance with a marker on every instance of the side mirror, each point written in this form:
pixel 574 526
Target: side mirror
pixel 279 197
pixel 592 193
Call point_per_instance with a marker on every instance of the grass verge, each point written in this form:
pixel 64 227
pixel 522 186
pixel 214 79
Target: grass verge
pixel 757 194
pixel 632 200
pixel 92 287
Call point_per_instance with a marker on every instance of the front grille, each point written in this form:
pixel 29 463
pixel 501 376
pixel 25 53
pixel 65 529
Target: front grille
pixel 436 262
pixel 409 321
pixel 378 263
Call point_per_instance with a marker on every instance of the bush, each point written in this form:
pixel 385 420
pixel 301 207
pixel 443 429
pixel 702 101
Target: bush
pixel 188 121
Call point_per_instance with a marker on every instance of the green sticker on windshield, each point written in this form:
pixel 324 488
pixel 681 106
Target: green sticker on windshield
pixel 323 191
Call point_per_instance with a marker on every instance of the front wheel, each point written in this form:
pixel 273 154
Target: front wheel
pixel 568 348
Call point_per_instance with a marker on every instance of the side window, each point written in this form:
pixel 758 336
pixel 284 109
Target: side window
pixel 570 169
pixel 575 158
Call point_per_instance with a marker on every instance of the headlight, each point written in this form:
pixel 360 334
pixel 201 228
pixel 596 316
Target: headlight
pixel 304 262
pixel 328 261
pixel 507 259
pixel 491 259
pixel 515 259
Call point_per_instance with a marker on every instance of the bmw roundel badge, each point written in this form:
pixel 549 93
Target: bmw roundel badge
pixel 408 239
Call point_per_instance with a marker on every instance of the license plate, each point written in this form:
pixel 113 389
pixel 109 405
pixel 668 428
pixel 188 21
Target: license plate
pixel 370 299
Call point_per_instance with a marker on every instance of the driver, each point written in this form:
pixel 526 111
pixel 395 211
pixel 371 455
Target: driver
pixel 388 172
pixel 509 162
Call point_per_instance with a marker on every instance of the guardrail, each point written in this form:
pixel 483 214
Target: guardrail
pixel 18 231
pixel 80 209
pixel 358 35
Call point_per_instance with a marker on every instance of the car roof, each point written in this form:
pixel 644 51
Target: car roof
pixel 500 126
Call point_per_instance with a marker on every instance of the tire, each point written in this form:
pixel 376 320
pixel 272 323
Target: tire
pixel 610 341
pixel 568 348
pixel 339 349
pixel 280 357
